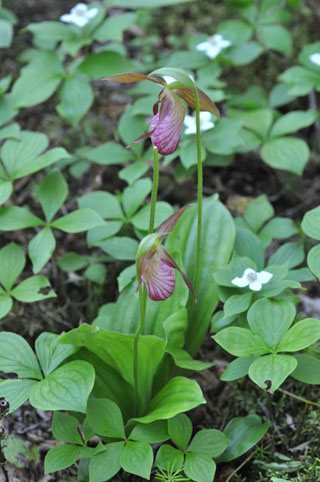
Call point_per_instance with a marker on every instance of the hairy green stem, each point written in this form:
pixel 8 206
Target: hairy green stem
pixel 142 290
pixel 200 188
pixel 297 397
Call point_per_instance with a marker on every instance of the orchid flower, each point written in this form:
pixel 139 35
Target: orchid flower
pixel 315 58
pixel 253 279
pixel 166 124
pixel 213 46
pixel 156 266
pixel 79 15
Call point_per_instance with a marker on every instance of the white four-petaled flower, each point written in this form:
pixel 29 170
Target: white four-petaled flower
pixel 315 58
pixel 80 15
pixel 213 46
pixel 253 279
pixel 205 123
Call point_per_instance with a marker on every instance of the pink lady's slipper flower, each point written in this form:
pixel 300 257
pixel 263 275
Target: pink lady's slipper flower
pixel 166 125
pixel 156 267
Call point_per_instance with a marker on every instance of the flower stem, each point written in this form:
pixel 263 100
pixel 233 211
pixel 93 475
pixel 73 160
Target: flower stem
pixel 200 188
pixel 142 290
pixel 154 189
pixel 297 397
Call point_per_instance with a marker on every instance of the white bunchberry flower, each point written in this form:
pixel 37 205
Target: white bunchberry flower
pixel 213 46
pixel 205 123
pixel 80 15
pixel 315 58
pixel 253 279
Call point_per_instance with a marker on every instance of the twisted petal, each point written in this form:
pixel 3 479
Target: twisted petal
pixel 167 128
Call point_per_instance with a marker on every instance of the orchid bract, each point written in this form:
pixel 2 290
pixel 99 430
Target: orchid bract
pixel 166 125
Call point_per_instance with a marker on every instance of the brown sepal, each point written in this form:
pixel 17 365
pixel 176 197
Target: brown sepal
pixel 168 224
pixel 131 77
pixel 205 103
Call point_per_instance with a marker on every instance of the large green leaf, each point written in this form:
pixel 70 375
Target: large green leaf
pixel 134 195
pixel 113 27
pixel 105 418
pixel 209 442
pixel 51 31
pixel 109 153
pixel 276 37
pixel 78 221
pixel 225 138
pixel 35 288
pixel 65 428
pixel 13 218
pixel 66 388
pixel 137 458
pixel 292 122
pixel 6 33
pixel 52 193
pixel 217 239
pixel 308 369
pixel 12 262
pixel 180 430
pixel 258 212
pixel 241 342
pixel 105 63
pixel 41 248
pixel 311 223
pixel 107 345
pixel 291 253
pixel 60 457
pixel 287 153
pixel 16 392
pixel 244 53
pixel 199 468
pixel 16 152
pixel 104 203
pixel 50 353
pixel 178 395
pixel 16 356
pixel 33 165
pixel 301 335
pixel 274 368
pixel 313 260
pixel 271 319
pixel 76 98
pixel 38 80
pixel 243 433
pixel 106 464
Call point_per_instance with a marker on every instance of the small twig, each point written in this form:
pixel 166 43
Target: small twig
pixel 240 466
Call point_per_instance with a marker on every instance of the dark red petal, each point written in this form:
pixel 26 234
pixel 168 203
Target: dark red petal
pixel 166 258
